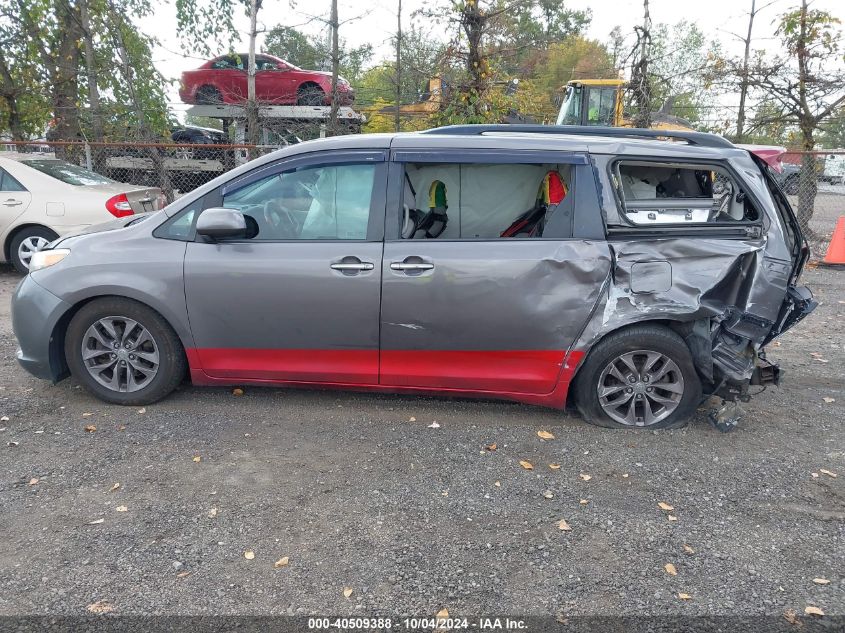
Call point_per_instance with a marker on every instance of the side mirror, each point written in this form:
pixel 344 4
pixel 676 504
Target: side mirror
pixel 220 224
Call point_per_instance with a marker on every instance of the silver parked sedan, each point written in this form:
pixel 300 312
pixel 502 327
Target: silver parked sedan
pixel 611 268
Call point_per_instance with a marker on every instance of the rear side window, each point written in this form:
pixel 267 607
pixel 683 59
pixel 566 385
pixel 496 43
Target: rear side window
pixel 9 183
pixel 476 201
pixel 681 194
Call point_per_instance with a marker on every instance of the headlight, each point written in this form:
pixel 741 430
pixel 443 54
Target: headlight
pixel 45 259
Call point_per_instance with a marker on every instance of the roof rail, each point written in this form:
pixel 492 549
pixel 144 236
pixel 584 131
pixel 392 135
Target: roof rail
pixel 701 139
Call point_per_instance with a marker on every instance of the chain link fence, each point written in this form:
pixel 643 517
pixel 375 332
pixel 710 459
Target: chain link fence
pixel 814 182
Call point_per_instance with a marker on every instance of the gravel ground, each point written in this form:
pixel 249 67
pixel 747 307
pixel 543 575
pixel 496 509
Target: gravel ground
pixel 360 492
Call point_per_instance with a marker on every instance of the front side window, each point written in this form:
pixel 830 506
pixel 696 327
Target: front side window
pixel 665 193
pixel 68 172
pixel 329 202
pixel 601 106
pixel 570 110
pixel 482 201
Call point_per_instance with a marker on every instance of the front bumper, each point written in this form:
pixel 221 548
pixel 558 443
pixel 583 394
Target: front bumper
pixel 35 313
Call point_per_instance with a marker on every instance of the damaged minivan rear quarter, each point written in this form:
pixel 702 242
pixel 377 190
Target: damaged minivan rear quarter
pixel 705 248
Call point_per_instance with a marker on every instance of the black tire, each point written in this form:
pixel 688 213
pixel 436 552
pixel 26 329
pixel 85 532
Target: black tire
pixel 647 337
pixel 29 233
pixel 208 95
pixel 310 95
pixel 172 362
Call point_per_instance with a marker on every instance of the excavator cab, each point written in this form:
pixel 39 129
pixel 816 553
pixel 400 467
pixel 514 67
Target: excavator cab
pixel 592 102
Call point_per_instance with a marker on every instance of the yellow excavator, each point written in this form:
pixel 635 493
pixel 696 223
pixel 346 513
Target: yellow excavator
pixel 600 102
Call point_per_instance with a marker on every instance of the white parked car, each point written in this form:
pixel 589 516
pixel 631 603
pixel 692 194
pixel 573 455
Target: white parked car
pixel 43 198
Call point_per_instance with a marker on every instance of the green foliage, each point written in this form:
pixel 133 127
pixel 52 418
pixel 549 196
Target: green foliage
pixel 576 57
pixel 207 24
pixel 833 131
pixel 316 53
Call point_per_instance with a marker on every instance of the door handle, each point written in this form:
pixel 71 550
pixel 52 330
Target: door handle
pixel 11 202
pixel 410 266
pixel 353 267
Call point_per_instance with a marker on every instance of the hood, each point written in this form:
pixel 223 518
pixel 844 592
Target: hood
pixel 103 227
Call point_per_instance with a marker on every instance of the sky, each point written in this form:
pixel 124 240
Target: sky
pixel 374 22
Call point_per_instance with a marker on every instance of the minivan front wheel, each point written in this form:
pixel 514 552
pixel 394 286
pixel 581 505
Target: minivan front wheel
pixel 124 352
pixel 640 377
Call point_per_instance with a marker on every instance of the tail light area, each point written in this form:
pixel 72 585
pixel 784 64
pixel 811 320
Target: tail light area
pixel 119 206
pixel 161 201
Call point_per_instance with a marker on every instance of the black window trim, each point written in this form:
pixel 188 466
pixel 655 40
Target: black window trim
pixel 752 228
pixel 398 159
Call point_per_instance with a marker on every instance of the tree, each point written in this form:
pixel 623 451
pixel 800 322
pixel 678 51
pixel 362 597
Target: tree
pixel 807 85
pixel 313 53
pixel 575 57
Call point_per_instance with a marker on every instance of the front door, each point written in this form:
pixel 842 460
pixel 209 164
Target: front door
pixel 298 300
pixel 493 300
pixel 14 199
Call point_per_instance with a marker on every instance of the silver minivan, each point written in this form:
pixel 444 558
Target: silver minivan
pixel 631 273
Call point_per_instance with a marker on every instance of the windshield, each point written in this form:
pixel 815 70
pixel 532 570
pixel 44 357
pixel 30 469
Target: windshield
pixel 69 173
pixel 570 110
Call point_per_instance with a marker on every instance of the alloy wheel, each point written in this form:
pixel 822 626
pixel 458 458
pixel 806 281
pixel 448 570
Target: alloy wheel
pixel 120 354
pixel 640 388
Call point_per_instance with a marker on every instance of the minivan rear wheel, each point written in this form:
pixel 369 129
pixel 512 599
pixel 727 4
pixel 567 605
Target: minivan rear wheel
pixel 124 352
pixel 639 377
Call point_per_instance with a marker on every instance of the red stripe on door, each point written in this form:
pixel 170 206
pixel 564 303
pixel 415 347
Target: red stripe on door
pixel 534 371
pixel 317 365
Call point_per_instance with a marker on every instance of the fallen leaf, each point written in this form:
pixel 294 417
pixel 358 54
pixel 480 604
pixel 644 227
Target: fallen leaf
pixel 625 475
pixel 688 549
pixel 554 466
pixel 585 477
pixel 442 614
pixel 33 481
pixel 114 487
pixel 101 606
pixel 445 493
pixel 347 591
pixel 672 517
pixel 491 447
pixel 584 502
pixel 821 581
pixel 563 525
pixel 121 508
pixel 90 428
pixel 142 410
pixel 813 611
pixel 498 484
pixel 5 418
pixel 828 473
pixel 815 475
pixel 434 425
pixel 526 465
pixel 249 554
pixel 95 521
pixel 237 391
pixel 684 596
pixel 122 427
pixel 212 513
pixel 183 574
pixel 545 435
pixel 665 506
pixel 197 458
pixel 822 360
pixel 829 400
pixel 790 616
pixel 282 562
pixel 412 419
pixel 549 494
pixel 13 444
pixel 87 415
pixel 670 569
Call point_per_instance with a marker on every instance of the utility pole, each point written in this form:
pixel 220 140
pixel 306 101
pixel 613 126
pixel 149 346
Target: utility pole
pixel 252 103
pixel 397 121
pixel 335 24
